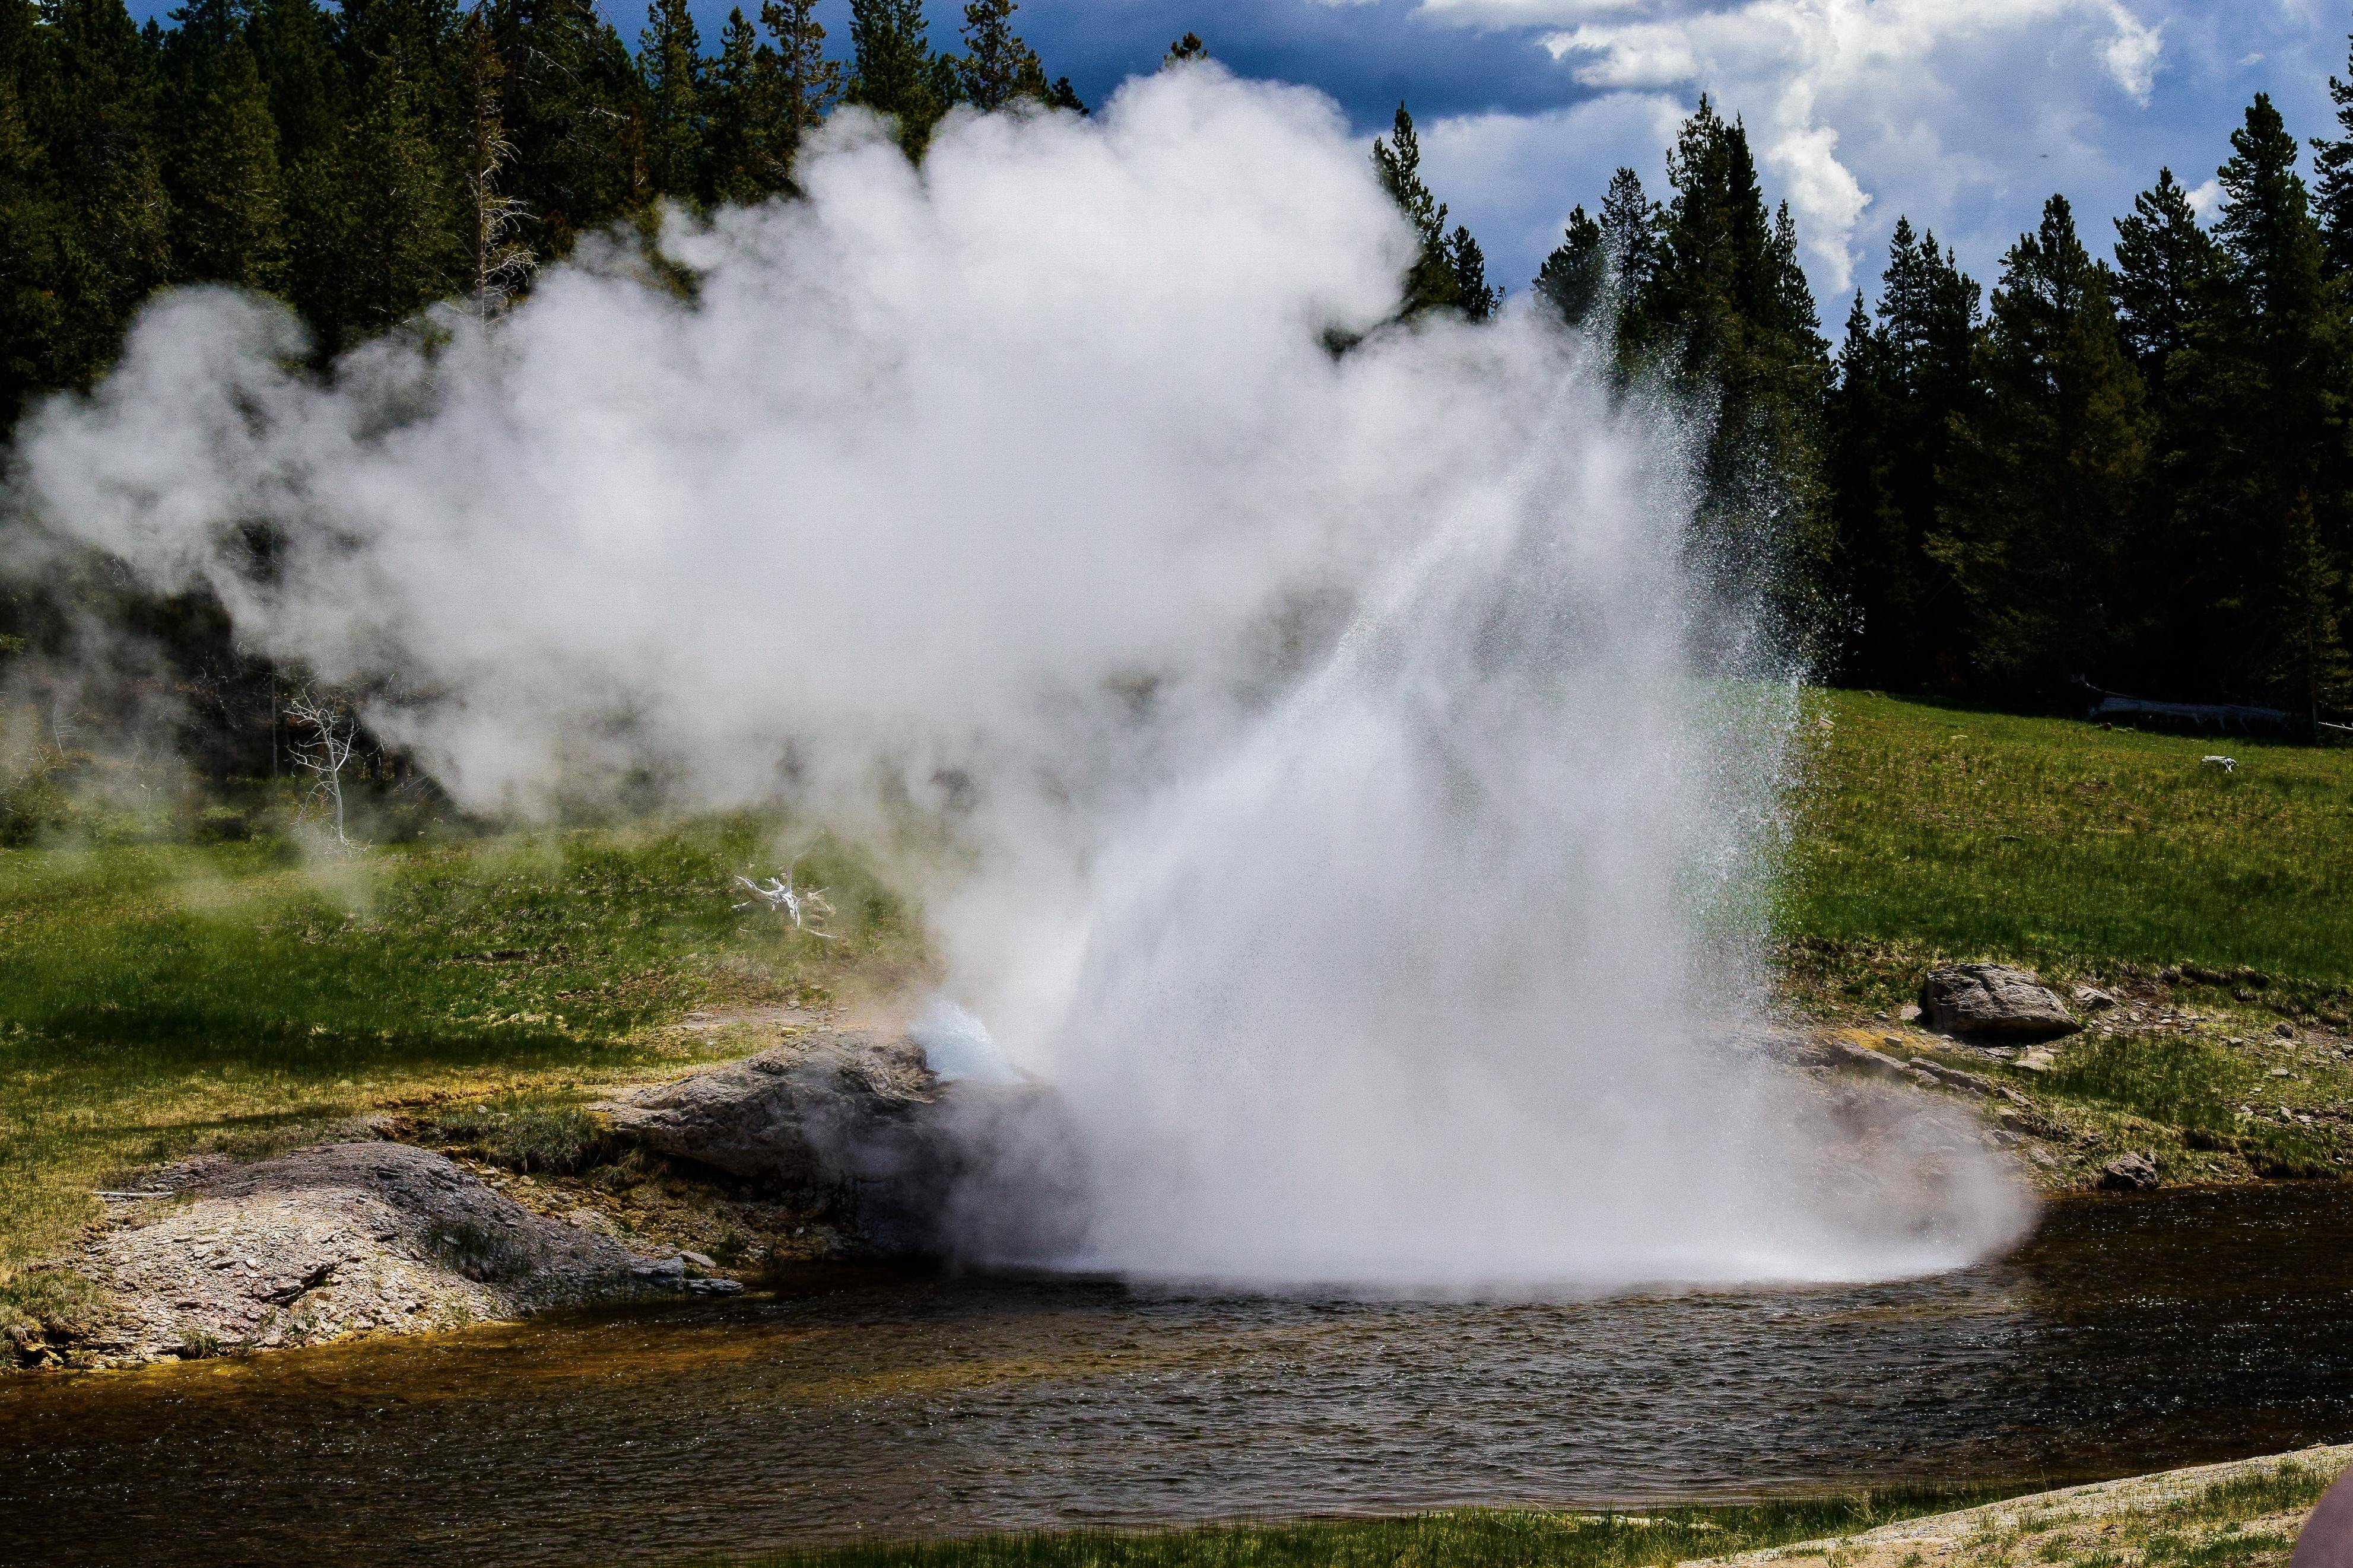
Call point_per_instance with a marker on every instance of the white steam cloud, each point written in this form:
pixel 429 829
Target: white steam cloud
pixel 1357 839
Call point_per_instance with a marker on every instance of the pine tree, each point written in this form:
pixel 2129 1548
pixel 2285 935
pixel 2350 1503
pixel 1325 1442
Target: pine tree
pixel 1727 312
pixel 806 82
pixel 998 67
pixel 33 221
pixel 894 72
pixel 2167 272
pixel 1871 569
pixel 403 247
pixel 1632 225
pixel 2166 268
pixel 1432 282
pixel 1473 296
pixel 1186 49
pixel 568 86
pixel 2263 383
pixel 92 106
pixel 670 61
pixel 1575 278
pixel 2048 462
pixel 288 39
pixel 1889 438
pixel 2332 192
pixel 227 206
pixel 740 160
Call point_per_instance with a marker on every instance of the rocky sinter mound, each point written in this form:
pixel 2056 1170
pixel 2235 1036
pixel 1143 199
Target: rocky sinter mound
pixel 1987 1001
pixel 962 1169
pixel 339 1239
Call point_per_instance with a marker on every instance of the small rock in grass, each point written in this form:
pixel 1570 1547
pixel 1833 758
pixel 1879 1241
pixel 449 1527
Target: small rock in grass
pixel 2093 999
pixel 2038 1061
pixel 1909 1011
pixel 2281 1072
pixel 2133 1173
pixel 2285 1031
pixel 698 1260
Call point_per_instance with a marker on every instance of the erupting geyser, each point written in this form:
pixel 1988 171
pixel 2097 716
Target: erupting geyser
pixel 1371 803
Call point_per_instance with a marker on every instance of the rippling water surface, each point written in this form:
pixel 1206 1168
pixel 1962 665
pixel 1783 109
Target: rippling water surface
pixel 2128 1335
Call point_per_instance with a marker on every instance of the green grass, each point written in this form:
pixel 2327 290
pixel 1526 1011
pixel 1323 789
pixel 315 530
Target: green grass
pixel 1466 1537
pixel 155 998
pixel 1931 830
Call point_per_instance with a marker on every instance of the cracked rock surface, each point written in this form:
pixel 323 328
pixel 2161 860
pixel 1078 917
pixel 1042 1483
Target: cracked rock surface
pixel 340 1239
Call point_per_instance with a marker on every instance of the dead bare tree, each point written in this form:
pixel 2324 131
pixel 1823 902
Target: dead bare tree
pixel 803 905
pixel 502 262
pixel 328 735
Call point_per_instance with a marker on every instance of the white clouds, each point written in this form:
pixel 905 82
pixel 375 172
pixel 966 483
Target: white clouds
pixel 1845 97
pixel 2205 199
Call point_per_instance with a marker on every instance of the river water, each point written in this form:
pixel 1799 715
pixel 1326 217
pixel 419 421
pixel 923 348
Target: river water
pixel 2127 1334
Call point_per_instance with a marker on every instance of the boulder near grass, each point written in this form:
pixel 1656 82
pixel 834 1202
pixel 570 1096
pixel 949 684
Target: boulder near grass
pixel 326 1242
pixel 1990 1001
pixel 972 1171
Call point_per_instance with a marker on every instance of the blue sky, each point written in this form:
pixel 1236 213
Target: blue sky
pixel 1964 114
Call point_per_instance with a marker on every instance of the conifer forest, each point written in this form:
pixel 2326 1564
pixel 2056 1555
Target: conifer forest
pixel 2123 463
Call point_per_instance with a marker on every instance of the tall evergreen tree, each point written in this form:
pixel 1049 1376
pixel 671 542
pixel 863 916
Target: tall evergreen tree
pixel 1432 281
pixel 93 103
pixel 741 163
pixel 2332 192
pixel 32 225
pixel 1476 298
pixel 670 61
pixel 2265 381
pixel 568 85
pixel 227 206
pixel 1899 391
pixel 1728 312
pixel 1632 231
pixel 1575 278
pixel 292 51
pixel 894 70
pixel 404 246
pixel 806 82
pixel 998 67
pixel 2048 462
pixel 2165 270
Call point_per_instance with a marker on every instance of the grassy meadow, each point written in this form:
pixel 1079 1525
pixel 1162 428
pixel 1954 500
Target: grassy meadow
pixel 156 998
pixel 1929 831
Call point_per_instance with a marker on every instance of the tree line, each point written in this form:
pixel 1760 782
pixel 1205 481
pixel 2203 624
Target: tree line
pixel 366 159
pixel 2130 470
pixel 2133 472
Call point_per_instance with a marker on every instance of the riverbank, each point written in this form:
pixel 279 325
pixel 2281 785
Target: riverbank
pixel 836 1404
pixel 2242 1514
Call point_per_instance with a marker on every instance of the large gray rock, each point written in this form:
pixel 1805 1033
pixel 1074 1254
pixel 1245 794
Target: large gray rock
pixel 1990 1001
pixel 975 1172
pixel 340 1239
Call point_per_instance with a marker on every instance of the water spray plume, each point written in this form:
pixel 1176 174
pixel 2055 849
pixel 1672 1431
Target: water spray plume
pixel 1367 798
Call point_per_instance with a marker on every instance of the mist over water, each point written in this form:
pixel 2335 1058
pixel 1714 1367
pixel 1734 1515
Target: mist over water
pixel 1364 815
